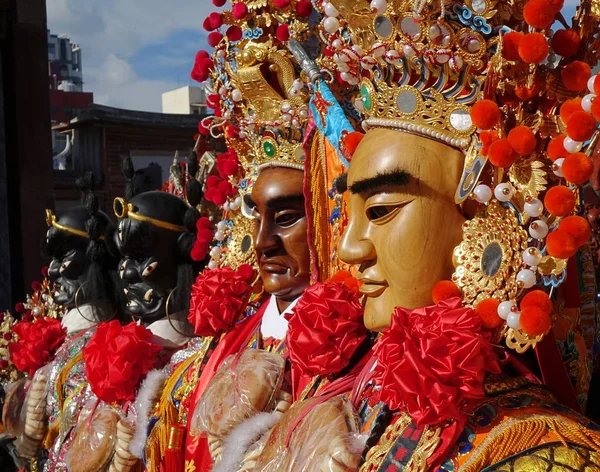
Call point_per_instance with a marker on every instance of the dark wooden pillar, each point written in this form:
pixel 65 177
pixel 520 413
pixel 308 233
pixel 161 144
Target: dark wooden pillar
pixel 26 182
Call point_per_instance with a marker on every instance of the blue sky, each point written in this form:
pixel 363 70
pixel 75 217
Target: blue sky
pixel 134 50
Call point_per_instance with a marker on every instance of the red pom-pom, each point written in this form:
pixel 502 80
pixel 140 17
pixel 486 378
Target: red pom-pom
pixel 347 279
pixel 45 271
pixel 234 33
pixel 202 54
pixel 218 298
pixel 117 358
pixel 332 313
pixel 485 114
pixel 219 3
pixel 581 126
pixel 559 201
pixel 488 312
pixel 556 148
pixel 565 42
pixel 533 48
pixel 203 223
pixel 487 138
pixel 203 130
pixel 246 271
pixel 561 244
pixel 538 14
pixel 36 286
pixel 214 38
pixel 19 307
pixel 597 86
pixel 578 227
pixel 215 19
pixel 206 24
pixel 283 33
pixel 239 11
pixel 539 299
pixel 510 45
pixel 556 5
pixel 304 8
pixel 596 105
pixel 575 76
pixel 351 142
pixel 522 140
pixel 568 108
pixel 502 154
pixel 534 321
pixel 281 3
pixel 444 290
pixel 199 251
pixel 577 167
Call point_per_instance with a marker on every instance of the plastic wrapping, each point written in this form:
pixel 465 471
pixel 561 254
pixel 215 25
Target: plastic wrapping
pixel 326 439
pixel 123 460
pixel 232 397
pixel 94 439
pixel 14 404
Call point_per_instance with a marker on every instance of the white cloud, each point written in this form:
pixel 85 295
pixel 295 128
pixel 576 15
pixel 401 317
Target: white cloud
pixel 110 32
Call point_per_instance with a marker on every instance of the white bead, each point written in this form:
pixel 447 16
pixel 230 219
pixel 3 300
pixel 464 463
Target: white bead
pixel 514 320
pixel 222 90
pixel 359 105
pixel 353 80
pixel 336 44
pixel 533 207
pixel 378 49
pixel 538 229
pixel 586 102
pixel 227 115
pixel 504 192
pixel 220 53
pixel 243 134
pixel 557 167
pixel 234 206
pixel 212 264
pixel 483 193
pixel 343 67
pixel 527 277
pixel 505 309
pixel 303 113
pixel 330 10
pixel 295 123
pixel 215 252
pixel 379 6
pixel 236 95
pixel 37 311
pixel 532 256
pixel 238 201
pixel 572 146
pixel 409 51
pixel 221 226
pixel 219 236
pixel 590 84
pixel 331 24
pixel 287 117
pixel 226 206
pixel 345 76
pixel 357 50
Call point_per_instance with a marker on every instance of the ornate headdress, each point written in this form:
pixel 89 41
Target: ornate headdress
pixel 484 76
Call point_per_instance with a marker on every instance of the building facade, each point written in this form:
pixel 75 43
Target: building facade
pixel 185 101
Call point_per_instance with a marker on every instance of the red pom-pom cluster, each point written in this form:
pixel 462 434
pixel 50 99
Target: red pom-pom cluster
pixel 117 358
pixel 485 114
pixel 217 190
pixel 432 361
pixel 37 343
pixel 228 164
pixel 204 235
pixel 325 328
pixel 218 298
pixel 536 308
pixel 203 65
pixel 444 290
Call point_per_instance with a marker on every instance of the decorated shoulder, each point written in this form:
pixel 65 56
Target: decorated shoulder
pixel 519 426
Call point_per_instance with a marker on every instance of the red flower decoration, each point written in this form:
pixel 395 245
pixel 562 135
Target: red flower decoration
pixel 37 344
pixel 433 360
pixel 325 328
pixel 218 296
pixel 117 358
pixel 347 279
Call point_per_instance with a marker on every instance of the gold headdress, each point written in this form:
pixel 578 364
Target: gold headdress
pixel 483 76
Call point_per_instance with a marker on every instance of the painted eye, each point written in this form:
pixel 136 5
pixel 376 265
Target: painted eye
pixel 148 270
pixel 64 266
pixel 287 219
pixel 379 211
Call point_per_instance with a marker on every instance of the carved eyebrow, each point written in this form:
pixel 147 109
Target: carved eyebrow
pixel 283 200
pixel 392 178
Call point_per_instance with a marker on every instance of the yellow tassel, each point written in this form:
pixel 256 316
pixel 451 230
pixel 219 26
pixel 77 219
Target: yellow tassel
pixel 517 434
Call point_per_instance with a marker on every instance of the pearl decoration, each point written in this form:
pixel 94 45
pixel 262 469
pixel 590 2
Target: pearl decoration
pixel 215 252
pixel 37 311
pixel 571 145
pixel 409 51
pixel 590 84
pixel 586 102
pixel 236 95
pixel 336 44
pixel 532 256
pixel 221 226
pixel 212 264
pixel 219 236
pixel 378 49
pixel 331 24
pixel 505 309
pixel 504 192
pixel 483 193
pixel 226 206
pixel 330 10
pixel 514 320
pixel 526 277
pixel 533 207
pixel 557 167
pixel 303 113
pixel 287 117
pixel 538 229
pixel 379 6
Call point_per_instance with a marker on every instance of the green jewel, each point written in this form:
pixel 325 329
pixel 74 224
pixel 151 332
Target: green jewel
pixel 269 148
pixel 366 97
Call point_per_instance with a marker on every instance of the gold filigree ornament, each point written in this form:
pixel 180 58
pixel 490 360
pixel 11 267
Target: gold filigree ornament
pixel 238 241
pixel 489 257
pixel 528 176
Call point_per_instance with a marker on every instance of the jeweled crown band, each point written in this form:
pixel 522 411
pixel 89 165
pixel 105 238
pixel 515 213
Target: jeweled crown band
pixel 122 209
pixel 51 222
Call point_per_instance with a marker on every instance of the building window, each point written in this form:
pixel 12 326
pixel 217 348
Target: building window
pixel 51 50
pixel 63 49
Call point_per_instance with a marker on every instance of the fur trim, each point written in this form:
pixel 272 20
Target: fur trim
pixel 147 396
pixel 241 438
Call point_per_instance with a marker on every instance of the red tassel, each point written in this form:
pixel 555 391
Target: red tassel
pixel 174 458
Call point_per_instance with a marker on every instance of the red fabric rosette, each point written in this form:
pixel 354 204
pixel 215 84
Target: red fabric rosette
pixel 433 360
pixel 117 358
pixel 325 328
pixel 37 344
pixel 218 297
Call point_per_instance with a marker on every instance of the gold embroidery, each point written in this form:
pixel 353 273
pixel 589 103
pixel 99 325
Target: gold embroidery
pixel 426 447
pixel 189 466
pixel 377 453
